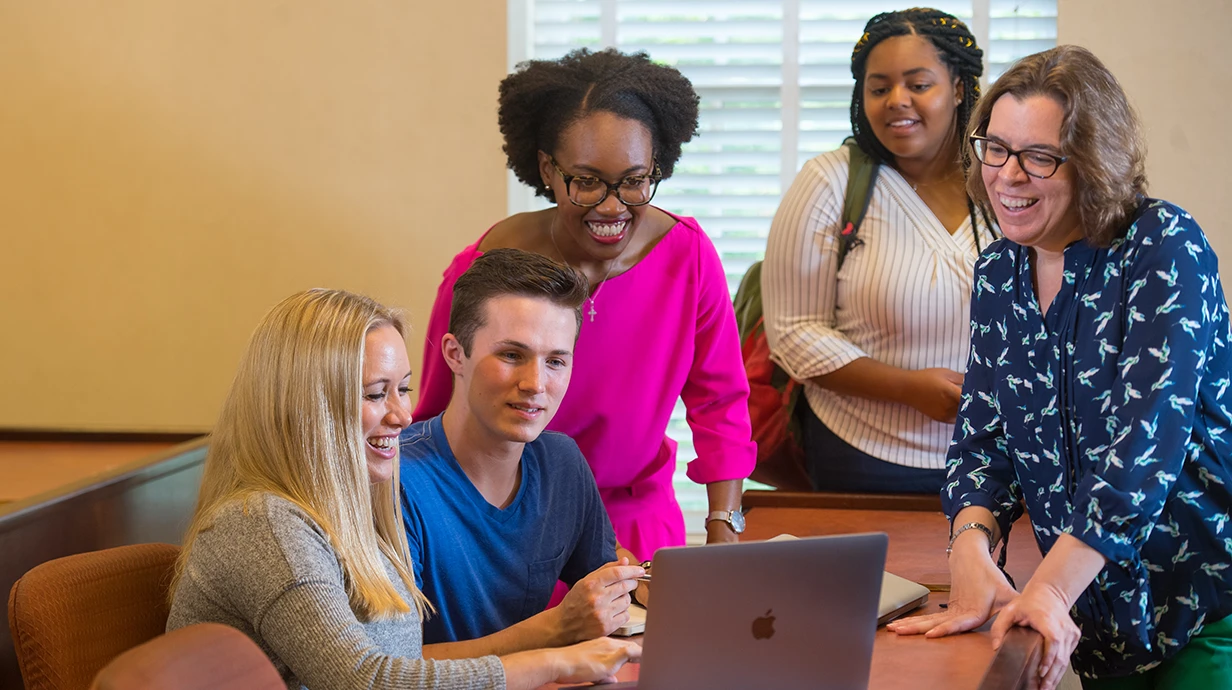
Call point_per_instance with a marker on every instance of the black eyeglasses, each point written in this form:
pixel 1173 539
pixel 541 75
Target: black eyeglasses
pixel 1034 163
pixel 588 191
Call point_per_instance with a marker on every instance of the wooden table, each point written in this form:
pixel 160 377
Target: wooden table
pixel 29 468
pixel 918 535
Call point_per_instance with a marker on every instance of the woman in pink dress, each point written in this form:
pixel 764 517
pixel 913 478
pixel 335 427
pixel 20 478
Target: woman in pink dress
pixel 596 132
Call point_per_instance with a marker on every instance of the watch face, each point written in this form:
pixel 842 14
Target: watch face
pixel 737 521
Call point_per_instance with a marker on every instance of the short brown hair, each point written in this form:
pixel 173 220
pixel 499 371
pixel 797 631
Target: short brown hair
pixel 1100 134
pixel 511 272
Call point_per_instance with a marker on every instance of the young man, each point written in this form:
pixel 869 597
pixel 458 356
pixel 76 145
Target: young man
pixel 497 510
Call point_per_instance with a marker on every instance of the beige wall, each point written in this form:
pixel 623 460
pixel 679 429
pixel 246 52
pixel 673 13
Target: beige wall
pixel 1176 65
pixel 170 170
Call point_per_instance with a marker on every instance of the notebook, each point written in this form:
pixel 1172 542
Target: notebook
pixel 792 613
pixel 898 596
pixel 636 624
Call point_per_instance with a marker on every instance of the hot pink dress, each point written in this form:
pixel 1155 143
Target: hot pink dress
pixel 663 330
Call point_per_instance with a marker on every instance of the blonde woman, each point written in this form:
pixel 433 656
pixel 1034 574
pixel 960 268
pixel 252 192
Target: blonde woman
pixel 297 538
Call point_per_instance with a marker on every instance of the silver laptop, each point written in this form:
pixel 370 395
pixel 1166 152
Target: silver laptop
pixel 798 613
pixel 898 595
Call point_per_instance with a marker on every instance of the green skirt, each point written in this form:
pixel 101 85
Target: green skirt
pixel 1205 663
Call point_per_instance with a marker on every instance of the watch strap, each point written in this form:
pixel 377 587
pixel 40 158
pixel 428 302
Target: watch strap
pixel 733 518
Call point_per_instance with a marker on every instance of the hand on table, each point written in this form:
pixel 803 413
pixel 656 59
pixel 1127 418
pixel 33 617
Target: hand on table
pixel 1044 609
pixel 594 660
pixel 977 591
pixel 936 392
pixel 585 662
pixel 598 604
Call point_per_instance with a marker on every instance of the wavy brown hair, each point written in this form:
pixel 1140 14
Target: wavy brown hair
pixel 1100 134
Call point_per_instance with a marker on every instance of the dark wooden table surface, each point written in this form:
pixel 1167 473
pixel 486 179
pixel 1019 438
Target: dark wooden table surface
pixel 918 534
pixel 918 539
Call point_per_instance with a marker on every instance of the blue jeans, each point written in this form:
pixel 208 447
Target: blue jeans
pixel 835 465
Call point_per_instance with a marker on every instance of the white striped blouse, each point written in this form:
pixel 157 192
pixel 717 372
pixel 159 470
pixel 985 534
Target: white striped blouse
pixel 901 298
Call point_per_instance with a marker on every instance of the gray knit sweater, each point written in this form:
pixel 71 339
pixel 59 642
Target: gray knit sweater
pixel 272 574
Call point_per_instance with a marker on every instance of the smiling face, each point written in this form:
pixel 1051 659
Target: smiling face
pixel 911 99
pixel 387 405
pixel 1034 212
pixel 509 387
pixel 609 147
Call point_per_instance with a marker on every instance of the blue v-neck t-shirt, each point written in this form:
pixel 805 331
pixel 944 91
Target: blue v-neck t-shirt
pixel 485 568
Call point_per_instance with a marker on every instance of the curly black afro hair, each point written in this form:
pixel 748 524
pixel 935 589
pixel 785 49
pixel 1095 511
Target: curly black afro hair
pixel 541 98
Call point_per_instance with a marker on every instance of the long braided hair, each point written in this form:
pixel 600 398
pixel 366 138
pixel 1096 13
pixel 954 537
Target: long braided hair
pixel 958 52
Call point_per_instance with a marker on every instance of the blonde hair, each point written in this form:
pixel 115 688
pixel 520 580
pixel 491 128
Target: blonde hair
pixel 1100 134
pixel 291 426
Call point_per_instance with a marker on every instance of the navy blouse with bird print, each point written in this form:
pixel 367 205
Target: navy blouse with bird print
pixel 1108 419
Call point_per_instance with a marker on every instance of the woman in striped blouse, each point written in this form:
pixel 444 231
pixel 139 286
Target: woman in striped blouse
pixel 880 344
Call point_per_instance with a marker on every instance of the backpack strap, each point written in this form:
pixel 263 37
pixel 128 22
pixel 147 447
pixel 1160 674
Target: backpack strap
pixel 747 302
pixel 862 175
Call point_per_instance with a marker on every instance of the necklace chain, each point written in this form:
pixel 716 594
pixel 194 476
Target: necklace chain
pixel 595 295
pixel 915 186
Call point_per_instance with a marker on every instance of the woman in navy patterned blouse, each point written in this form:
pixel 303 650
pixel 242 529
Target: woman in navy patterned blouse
pixel 1096 397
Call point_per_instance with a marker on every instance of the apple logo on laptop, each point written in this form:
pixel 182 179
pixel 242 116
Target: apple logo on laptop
pixel 763 628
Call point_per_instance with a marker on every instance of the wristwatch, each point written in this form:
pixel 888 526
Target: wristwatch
pixel 733 518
